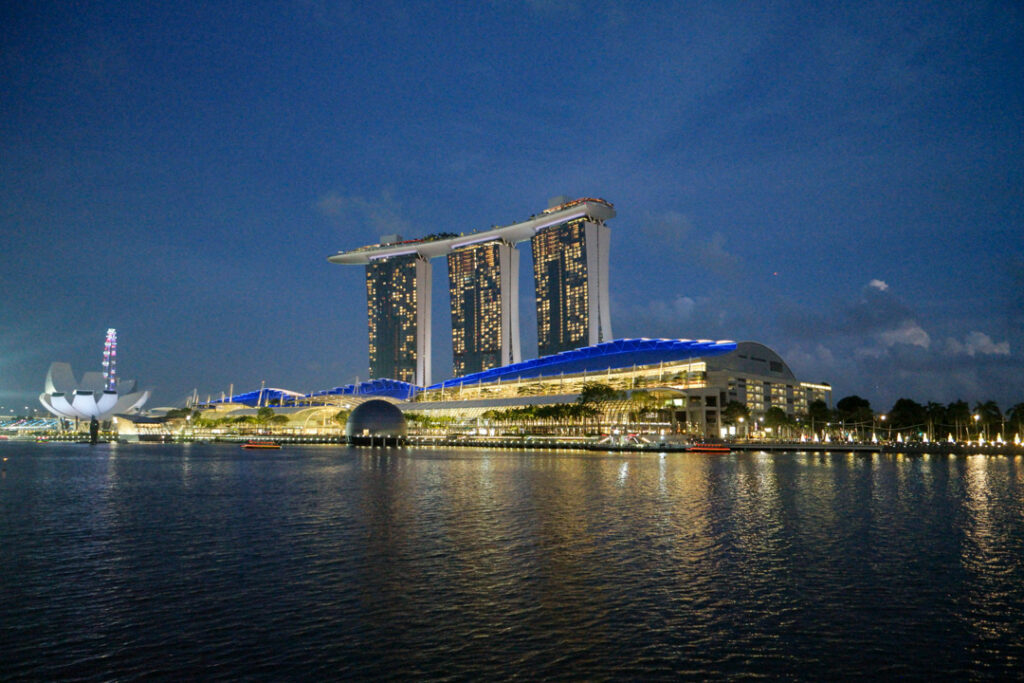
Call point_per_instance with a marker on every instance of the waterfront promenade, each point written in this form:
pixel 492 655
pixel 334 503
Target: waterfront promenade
pixel 745 446
pixel 585 444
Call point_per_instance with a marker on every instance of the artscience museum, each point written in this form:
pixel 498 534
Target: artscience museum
pixel 66 397
pixel 100 395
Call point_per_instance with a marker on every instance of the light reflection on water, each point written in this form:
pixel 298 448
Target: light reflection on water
pixel 124 561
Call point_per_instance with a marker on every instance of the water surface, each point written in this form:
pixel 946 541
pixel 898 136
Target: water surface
pixel 164 561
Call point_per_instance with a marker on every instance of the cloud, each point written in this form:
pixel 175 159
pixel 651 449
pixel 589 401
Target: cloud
pixel 876 346
pixel 671 234
pixel 332 204
pixel 677 317
pixel 383 215
pixel 816 362
pixel 713 255
pixel 670 224
pixel 906 332
pixel 659 318
pixel 679 309
pixel 977 344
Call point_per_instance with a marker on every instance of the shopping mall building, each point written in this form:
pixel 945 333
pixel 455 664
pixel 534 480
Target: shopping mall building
pixel 689 380
pixel 695 380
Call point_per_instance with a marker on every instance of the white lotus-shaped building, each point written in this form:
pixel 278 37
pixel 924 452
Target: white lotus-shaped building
pixel 91 398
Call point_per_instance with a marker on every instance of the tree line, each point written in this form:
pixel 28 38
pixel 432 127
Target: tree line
pixel 906 417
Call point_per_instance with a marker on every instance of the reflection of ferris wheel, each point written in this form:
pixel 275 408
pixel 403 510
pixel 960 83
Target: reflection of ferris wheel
pixel 110 360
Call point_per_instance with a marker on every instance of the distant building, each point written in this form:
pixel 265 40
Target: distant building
pixel 753 375
pixel 398 311
pixel 483 286
pixel 99 395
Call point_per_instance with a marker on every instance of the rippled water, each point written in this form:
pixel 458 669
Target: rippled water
pixel 325 562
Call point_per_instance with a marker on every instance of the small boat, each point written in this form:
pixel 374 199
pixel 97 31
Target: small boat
pixel 263 445
pixel 708 448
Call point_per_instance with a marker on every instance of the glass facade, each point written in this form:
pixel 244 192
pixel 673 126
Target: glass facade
pixel 474 286
pixel 560 281
pixel 396 321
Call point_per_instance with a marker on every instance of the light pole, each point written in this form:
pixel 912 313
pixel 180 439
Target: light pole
pixel 977 427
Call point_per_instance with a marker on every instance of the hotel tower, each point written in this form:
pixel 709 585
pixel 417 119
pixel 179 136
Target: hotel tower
pixel 569 242
pixel 570 275
pixel 398 309
pixel 483 284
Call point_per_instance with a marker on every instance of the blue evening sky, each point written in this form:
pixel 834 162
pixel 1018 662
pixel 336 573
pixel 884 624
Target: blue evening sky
pixel 840 181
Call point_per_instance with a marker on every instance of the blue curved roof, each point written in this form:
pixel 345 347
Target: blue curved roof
pixel 620 353
pixel 264 396
pixel 392 388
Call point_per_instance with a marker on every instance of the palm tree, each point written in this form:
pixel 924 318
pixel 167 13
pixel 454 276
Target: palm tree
pixel 959 413
pixel 818 414
pixel 988 414
pixel 934 414
pixel 642 402
pixel 776 418
pixel 1015 416
pixel 264 415
pixel 907 415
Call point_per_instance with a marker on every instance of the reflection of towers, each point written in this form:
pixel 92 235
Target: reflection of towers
pixel 398 309
pixel 483 281
pixel 570 274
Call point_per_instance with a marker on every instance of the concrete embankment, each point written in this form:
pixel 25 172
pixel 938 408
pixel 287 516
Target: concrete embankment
pixel 755 446
pixel 542 443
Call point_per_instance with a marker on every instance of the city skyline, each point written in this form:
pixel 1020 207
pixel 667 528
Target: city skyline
pixel 844 183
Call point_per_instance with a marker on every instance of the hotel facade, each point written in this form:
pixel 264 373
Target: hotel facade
pixel 570 274
pixel 398 308
pixel 569 242
pixel 483 288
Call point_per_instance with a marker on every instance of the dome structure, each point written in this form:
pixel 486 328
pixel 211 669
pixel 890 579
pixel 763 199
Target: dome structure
pixel 93 397
pixel 376 418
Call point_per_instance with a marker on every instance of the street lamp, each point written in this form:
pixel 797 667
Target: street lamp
pixel 882 428
pixel 977 428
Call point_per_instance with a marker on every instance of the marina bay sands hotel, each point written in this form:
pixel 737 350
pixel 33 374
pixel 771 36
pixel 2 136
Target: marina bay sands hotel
pixel 569 242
